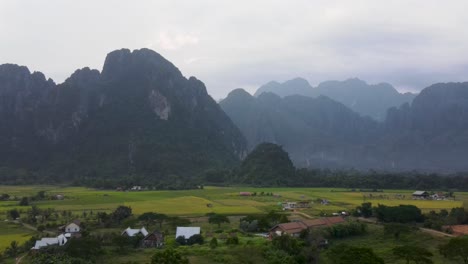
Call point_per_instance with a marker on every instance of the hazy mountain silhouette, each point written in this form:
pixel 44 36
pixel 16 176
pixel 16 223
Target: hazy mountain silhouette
pixel 368 100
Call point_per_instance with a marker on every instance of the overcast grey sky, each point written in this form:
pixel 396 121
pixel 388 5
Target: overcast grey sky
pixel 230 44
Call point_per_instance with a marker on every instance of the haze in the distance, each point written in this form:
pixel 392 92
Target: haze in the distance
pixel 229 44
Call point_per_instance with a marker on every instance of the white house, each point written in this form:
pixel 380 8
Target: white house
pixel 72 228
pixel 49 241
pixel 133 232
pixel 187 232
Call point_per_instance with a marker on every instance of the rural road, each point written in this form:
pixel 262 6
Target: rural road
pixel 28 226
pixel 435 232
pixel 18 260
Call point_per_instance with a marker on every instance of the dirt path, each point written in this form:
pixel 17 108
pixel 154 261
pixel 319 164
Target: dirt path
pixel 30 227
pixel 303 214
pixel 18 260
pixel 435 232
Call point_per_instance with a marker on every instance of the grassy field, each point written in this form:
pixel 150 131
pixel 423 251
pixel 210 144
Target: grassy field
pixel 11 231
pixel 193 203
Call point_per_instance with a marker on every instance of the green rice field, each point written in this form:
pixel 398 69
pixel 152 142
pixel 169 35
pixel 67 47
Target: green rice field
pixel 192 203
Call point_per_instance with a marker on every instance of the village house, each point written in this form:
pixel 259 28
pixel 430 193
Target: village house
pixel 187 232
pixel 438 196
pixel 295 205
pixel 420 195
pixel 289 205
pixel 154 239
pixel 133 232
pixel 73 229
pixel 295 228
pixel 50 241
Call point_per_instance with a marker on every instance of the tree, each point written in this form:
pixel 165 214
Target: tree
pixel 214 243
pixel 456 249
pixel 287 243
pixel 415 254
pixel 195 239
pixel 365 209
pixel 150 218
pixel 86 248
pixel 4 196
pixel 181 240
pixel 176 221
pixel 41 228
pixel 232 240
pixel 168 256
pixel 121 213
pixel 344 254
pixel 13 249
pixel 24 201
pixel 396 229
pixel 13 214
pixel 218 219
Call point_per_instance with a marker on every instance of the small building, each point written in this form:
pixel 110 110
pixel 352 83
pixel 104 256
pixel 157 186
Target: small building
pixel 134 232
pixel 420 195
pixel 303 204
pixel 245 194
pixel 59 197
pixel 136 188
pixel 295 228
pixel 289 205
pixel 50 241
pixel 438 196
pixel 154 239
pixel 187 232
pixel 72 228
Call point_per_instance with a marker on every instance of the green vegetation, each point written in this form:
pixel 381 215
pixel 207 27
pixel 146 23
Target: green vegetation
pixel 106 213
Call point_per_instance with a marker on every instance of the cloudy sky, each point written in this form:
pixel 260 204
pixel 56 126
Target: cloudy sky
pixel 231 44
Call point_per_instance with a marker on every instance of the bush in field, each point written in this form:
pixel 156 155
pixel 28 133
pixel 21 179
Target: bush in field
pixel 348 229
pixel 181 240
pixel 456 249
pixel 233 240
pixel 214 243
pixel 195 239
pixel 344 254
pixel 168 256
pixel 415 254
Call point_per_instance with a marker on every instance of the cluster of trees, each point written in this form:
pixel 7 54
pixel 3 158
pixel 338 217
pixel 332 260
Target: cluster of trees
pixel 262 222
pixel 347 229
pixel 398 214
pixel 195 239
pixel 456 216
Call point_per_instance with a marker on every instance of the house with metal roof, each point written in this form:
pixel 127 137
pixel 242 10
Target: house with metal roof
pixel 133 232
pixel 187 232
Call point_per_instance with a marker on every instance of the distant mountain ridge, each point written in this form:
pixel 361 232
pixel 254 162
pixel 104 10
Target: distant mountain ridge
pixel 368 100
pixel 139 117
pixel 430 134
pixel 317 132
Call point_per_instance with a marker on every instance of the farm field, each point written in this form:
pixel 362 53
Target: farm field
pixel 193 203
pixel 223 200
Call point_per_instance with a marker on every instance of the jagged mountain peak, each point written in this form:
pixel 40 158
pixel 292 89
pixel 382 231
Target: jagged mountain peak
pixel 143 61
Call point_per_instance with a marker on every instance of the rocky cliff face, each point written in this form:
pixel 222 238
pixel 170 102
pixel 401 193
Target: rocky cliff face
pixel 140 116
pixel 432 132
